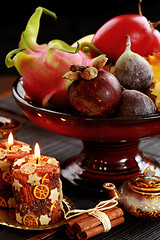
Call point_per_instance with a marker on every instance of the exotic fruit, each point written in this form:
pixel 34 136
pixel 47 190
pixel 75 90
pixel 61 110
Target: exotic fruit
pixel 42 66
pixel 110 37
pixel 95 92
pixel 132 70
pixel 135 103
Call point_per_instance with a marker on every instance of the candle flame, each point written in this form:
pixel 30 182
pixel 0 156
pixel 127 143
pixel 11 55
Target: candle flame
pixel 37 151
pixel 10 139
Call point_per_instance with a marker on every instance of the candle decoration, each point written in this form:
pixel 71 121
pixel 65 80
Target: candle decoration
pixel 37 190
pixel 10 150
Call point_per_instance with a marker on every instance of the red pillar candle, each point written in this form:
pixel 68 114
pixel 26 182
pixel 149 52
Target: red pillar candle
pixel 9 151
pixel 38 190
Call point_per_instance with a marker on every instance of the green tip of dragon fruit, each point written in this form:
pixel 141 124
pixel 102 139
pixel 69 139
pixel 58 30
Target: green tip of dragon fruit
pixel 29 36
pixel 42 66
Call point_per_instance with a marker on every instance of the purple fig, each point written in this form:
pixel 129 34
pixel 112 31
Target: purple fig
pixel 132 70
pixel 135 103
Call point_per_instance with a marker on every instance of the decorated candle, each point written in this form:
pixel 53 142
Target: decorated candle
pixel 37 190
pixel 9 151
pixel 12 149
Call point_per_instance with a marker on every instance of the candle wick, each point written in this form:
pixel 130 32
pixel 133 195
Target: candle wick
pixel 37 160
pixel 10 147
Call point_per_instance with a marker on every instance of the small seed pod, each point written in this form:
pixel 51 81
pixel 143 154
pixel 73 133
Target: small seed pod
pixel 73 76
pixel 89 73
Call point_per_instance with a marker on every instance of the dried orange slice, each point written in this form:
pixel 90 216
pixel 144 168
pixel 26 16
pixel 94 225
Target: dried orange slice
pixel 28 168
pixel 30 221
pixel 41 191
pixel 3 202
pixel 45 178
pixel 7 176
pixel 54 205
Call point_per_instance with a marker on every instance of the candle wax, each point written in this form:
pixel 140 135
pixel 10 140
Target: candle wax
pixel 38 190
pixel 8 154
pixel 17 150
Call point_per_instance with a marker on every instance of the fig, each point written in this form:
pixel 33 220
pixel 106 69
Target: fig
pixel 95 96
pixel 135 103
pixel 132 70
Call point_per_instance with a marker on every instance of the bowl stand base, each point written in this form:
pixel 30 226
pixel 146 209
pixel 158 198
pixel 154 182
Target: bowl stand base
pixel 103 162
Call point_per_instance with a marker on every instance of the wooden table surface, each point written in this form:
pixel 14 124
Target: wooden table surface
pixel 6 82
pixel 62 148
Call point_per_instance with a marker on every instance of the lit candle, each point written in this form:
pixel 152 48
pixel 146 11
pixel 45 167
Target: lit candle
pixel 13 149
pixel 37 189
pixel 37 152
pixel 10 150
pixel 10 141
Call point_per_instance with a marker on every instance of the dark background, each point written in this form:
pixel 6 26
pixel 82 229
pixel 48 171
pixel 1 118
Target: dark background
pixel 75 20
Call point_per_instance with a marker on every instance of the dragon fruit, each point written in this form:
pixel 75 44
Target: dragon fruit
pixel 42 66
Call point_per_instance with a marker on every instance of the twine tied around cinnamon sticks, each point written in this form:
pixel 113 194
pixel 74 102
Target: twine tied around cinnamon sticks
pixel 96 212
pixel 102 212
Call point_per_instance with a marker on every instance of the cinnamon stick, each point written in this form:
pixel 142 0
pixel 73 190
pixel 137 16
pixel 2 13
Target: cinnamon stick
pixel 87 225
pixel 91 221
pixel 71 222
pixel 97 230
pixel 70 232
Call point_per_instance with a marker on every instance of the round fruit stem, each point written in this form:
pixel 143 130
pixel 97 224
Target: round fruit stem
pixel 128 44
pixel 155 24
pixel 152 24
pixel 139 7
pixel 89 45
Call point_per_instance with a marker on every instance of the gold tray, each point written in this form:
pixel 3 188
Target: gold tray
pixel 7 218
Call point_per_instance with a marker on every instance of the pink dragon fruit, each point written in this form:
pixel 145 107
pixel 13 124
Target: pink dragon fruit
pixel 42 66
